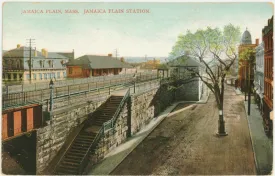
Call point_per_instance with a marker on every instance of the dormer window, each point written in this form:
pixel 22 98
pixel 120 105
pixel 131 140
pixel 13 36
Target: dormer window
pixel 41 64
pixel 50 63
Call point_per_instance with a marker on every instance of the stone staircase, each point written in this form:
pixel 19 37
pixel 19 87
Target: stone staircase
pixel 71 162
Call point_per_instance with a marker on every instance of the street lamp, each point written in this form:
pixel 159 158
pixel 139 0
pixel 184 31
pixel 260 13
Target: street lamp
pixel 51 85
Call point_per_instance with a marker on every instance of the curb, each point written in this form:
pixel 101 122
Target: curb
pixel 252 143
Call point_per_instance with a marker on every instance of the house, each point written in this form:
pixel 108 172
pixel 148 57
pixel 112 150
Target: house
pixel 43 66
pixel 183 67
pixel 93 65
pixel 243 65
pixel 267 33
pixel 259 76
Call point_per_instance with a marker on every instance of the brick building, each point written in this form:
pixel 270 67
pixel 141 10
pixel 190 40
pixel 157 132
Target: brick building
pixel 246 43
pixel 92 65
pixel 267 34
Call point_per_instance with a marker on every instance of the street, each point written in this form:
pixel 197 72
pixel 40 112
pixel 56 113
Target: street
pixel 185 143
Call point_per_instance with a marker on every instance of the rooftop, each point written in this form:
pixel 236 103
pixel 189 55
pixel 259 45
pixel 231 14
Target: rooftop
pixel 98 62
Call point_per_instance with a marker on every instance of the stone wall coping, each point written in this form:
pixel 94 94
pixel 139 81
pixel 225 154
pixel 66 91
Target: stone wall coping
pixel 143 92
pixel 65 109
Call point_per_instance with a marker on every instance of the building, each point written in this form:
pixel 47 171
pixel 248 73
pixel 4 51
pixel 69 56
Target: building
pixel 92 65
pixel 259 76
pixel 267 34
pixel 43 66
pixel 246 43
pixel 183 67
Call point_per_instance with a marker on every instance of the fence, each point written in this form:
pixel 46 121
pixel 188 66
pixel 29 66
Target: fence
pixel 61 83
pixel 82 90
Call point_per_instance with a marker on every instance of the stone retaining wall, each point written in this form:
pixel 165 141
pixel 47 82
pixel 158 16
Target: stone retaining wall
pixel 51 137
pixel 136 114
pixel 147 105
pixel 188 92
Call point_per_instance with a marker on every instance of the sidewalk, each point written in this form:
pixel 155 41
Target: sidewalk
pixel 262 145
pixel 238 92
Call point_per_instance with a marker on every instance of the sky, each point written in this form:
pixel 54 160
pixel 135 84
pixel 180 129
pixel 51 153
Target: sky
pixel 132 34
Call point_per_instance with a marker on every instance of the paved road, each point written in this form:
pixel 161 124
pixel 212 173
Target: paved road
pixel 185 143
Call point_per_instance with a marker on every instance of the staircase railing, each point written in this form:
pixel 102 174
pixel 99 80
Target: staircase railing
pixel 111 123
pixel 106 126
pixel 85 159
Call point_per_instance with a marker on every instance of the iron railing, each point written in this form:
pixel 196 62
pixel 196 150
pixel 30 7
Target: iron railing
pixel 110 124
pixel 106 126
pixel 38 96
pixel 61 83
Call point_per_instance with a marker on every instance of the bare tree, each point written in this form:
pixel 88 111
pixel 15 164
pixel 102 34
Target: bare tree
pixel 216 50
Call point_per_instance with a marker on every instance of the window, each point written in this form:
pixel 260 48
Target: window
pixel 49 75
pixel 58 74
pixel 20 76
pixel 53 75
pixel 18 64
pixel 27 76
pixel 34 76
pixel 9 76
pixel 45 75
pixel 64 74
pixel 14 76
pixel 40 76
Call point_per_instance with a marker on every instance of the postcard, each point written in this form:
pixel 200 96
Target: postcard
pixel 137 88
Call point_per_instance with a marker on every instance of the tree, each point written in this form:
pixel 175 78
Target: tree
pixel 216 50
pixel 122 59
pixel 247 61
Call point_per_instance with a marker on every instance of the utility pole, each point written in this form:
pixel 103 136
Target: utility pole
pixel 116 53
pixel 249 89
pixel 31 41
pixel 246 85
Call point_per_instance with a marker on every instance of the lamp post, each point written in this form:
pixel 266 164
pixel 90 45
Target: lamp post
pixel 51 85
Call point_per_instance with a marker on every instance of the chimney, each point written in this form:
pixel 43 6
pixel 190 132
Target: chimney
pixel 73 54
pixel 110 55
pixel 44 52
pixel 35 53
pixel 18 46
pixel 257 42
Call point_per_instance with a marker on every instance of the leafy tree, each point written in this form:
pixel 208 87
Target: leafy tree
pixel 248 54
pixel 216 50
pixel 122 59
pixel 247 61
